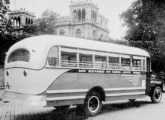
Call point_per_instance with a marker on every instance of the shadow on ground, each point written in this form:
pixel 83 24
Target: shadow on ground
pixel 123 106
pixel 77 114
pixel 70 114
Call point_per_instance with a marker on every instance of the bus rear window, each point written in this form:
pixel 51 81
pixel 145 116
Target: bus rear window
pixel 19 55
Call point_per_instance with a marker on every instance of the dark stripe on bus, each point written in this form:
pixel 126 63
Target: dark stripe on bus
pixel 105 71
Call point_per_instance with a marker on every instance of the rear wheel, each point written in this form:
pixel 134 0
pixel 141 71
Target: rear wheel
pixel 93 104
pixel 156 94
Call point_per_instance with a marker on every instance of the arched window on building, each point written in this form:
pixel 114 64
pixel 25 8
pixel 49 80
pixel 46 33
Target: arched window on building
pixel 94 15
pixel 83 14
pixel 62 32
pixel 79 14
pixel 94 34
pixel 78 33
pixel 31 21
pixel 26 21
pixel 19 21
pixel 101 37
pixel 12 21
pixel 75 15
pixel 15 21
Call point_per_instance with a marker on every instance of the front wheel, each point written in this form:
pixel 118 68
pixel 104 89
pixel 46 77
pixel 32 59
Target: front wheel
pixel 93 104
pixel 156 94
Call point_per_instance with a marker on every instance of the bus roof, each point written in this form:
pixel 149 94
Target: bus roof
pixel 47 41
pixel 39 47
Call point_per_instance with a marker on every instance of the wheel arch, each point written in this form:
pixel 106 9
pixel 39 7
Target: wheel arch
pixel 99 90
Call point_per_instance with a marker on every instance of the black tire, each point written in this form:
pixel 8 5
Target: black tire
pixel 92 104
pixel 156 94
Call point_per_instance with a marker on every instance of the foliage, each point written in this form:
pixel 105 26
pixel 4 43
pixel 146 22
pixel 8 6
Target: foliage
pixel 43 25
pixel 117 41
pixel 30 30
pixel 3 19
pixel 145 20
pixel 46 24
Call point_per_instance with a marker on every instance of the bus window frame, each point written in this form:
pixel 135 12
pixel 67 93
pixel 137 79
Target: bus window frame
pixel 57 60
pixel 94 53
pixel 69 63
pixel 113 66
pixel 125 67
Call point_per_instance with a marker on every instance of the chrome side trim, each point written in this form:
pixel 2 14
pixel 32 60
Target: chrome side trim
pixel 118 89
pixel 65 98
pixel 86 90
pixel 125 94
pixel 66 91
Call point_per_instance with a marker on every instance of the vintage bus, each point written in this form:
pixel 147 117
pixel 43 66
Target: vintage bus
pixel 65 71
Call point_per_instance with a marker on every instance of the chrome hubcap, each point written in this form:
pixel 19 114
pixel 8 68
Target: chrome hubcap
pixel 93 104
pixel 157 94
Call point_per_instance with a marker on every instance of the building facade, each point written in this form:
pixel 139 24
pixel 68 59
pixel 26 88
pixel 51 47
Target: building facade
pixel 84 21
pixel 20 19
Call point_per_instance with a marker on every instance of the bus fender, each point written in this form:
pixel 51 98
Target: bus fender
pixel 99 90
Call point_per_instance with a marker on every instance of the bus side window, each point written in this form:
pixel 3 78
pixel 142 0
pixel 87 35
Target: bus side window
pixel 113 63
pixel 85 60
pixel 68 59
pixel 136 63
pixel 53 56
pixel 100 62
pixel 144 65
pixel 125 63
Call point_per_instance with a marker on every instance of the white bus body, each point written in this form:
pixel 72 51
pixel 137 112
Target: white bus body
pixel 66 70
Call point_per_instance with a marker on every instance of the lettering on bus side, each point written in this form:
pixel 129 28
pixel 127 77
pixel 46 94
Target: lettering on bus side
pixel 105 71
pixel 116 72
pixel 96 71
pixel 126 72
pixel 82 71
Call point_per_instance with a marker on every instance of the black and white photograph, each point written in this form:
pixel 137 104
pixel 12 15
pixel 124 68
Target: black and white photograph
pixel 82 59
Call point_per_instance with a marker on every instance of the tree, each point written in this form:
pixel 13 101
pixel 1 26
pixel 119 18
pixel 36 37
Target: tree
pixel 46 24
pixel 3 19
pixel 145 22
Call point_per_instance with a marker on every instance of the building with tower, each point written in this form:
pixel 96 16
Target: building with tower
pixel 84 21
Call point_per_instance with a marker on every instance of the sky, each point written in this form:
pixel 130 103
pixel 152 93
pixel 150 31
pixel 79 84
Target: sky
pixel 111 9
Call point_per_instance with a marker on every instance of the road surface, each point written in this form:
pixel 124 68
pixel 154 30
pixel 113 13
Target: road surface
pixel 142 109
